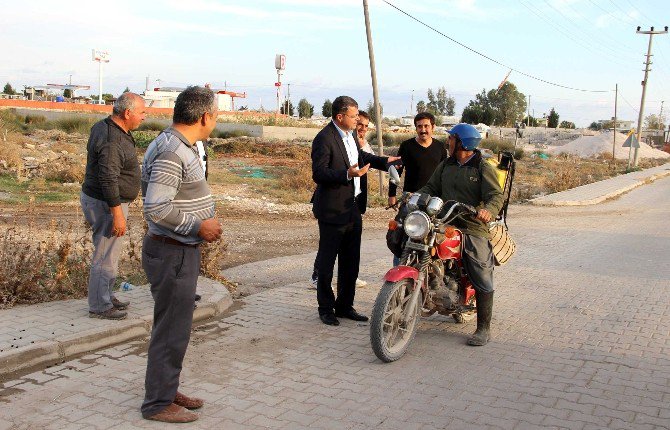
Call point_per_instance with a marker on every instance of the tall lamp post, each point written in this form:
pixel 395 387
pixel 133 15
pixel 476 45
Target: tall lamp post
pixel 100 57
pixel 280 65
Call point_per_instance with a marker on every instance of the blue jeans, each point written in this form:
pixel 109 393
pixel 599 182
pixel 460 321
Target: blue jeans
pixel 106 252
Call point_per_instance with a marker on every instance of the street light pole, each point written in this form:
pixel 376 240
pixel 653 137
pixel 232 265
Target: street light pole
pixel 651 34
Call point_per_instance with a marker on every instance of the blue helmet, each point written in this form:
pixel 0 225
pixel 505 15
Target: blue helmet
pixel 468 135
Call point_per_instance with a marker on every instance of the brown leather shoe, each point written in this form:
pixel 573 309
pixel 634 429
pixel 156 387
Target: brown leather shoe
pixel 188 402
pixel 174 414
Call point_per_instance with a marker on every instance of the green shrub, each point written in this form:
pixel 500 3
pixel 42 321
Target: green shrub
pixel 226 134
pixel 519 153
pixel 497 145
pixel 35 119
pixel 75 124
pixel 144 137
pixel 151 126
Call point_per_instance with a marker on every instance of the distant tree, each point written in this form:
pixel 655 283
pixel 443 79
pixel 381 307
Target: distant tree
pixel 552 119
pixel 8 89
pixel 371 111
pixel 242 108
pixel 127 90
pixel 653 122
pixel 501 107
pixel 67 93
pixel 446 104
pixel 596 126
pixel 327 108
pixel 530 121
pixel 479 110
pixel 431 106
pixel 567 124
pixel 105 96
pixel 305 109
pixel 421 106
pixel 287 108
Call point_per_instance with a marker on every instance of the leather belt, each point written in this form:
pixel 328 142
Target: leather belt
pixel 171 241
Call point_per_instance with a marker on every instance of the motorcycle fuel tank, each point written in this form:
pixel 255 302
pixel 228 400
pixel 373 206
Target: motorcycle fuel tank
pixel 449 244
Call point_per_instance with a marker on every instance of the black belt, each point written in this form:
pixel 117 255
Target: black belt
pixel 171 241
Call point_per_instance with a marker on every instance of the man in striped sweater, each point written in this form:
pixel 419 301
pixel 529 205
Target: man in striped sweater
pixel 179 210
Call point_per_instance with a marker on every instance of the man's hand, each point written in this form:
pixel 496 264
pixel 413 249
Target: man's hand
pixel 484 215
pixel 355 172
pixel 392 159
pixel 118 221
pixel 210 230
pixel 392 201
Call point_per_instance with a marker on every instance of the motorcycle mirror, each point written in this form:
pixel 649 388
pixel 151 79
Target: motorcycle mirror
pixel 393 173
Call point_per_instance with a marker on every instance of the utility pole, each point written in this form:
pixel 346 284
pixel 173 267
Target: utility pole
pixel 528 119
pixel 616 96
pixel 287 110
pixel 644 85
pixel 411 105
pixel 660 117
pixel 375 93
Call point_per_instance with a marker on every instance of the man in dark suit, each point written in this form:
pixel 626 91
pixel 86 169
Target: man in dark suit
pixel 337 200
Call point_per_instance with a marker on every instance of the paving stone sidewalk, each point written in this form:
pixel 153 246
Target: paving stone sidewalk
pixel 598 192
pixel 48 333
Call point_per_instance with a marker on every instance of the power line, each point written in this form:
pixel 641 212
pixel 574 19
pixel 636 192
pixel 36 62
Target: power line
pixel 593 36
pixel 640 12
pixel 491 59
pixel 637 112
pixel 622 11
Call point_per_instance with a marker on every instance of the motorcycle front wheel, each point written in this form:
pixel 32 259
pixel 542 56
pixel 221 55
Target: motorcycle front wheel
pixel 390 335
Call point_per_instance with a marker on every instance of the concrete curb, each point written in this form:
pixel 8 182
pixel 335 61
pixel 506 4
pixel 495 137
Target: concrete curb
pixel 65 347
pixel 544 201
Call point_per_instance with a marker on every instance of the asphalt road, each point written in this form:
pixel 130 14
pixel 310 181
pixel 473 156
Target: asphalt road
pixel 581 340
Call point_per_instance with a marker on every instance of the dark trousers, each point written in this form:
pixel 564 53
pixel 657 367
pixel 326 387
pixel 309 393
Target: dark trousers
pixel 173 273
pixel 479 263
pixel 341 241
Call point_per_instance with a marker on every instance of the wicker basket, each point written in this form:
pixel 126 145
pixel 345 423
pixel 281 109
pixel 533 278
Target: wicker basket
pixel 503 244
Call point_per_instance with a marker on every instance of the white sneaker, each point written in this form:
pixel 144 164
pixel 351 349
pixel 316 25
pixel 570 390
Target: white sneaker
pixel 360 283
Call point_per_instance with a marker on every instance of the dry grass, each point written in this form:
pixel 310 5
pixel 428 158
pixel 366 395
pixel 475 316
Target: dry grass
pixel 65 173
pixel 33 271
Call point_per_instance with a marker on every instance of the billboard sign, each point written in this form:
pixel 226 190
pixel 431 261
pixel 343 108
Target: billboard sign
pixel 280 61
pixel 102 56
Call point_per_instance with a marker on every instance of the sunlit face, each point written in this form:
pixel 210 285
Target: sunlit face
pixel 348 120
pixel 451 142
pixel 136 115
pixel 424 130
pixel 362 127
pixel 210 123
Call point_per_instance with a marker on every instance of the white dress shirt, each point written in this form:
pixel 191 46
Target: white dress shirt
pixel 352 153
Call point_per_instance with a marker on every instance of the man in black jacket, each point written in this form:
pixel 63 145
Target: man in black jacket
pixel 112 181
pixel 336 158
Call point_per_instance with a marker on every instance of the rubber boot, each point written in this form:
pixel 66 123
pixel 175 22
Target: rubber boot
pixel 484 310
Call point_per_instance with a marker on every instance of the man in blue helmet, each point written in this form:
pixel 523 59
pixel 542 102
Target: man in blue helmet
pixel 466 178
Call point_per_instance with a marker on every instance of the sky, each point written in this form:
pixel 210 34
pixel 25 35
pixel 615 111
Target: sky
pixel 589 46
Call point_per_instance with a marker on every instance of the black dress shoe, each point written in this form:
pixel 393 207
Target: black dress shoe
pixel 329 319
pixel 352 315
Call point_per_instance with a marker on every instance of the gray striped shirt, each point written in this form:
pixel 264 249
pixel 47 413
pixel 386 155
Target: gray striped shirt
pixel 174 191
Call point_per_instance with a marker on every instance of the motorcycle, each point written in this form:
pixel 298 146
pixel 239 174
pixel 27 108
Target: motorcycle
pixel 431 276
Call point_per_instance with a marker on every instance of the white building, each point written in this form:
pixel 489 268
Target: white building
pixel 165 97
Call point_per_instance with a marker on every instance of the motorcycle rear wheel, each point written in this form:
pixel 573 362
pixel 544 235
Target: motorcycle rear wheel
pixel 389 335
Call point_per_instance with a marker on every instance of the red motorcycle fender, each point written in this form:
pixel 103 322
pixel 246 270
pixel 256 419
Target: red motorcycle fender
pixel 401 272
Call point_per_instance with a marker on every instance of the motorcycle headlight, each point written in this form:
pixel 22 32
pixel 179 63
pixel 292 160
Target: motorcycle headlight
pixel 417 225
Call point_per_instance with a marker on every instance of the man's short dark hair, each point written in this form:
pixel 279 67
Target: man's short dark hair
pixel 342 104
pixel 192 104
pixel 363 114
pixel 126 101
pixel 424 115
